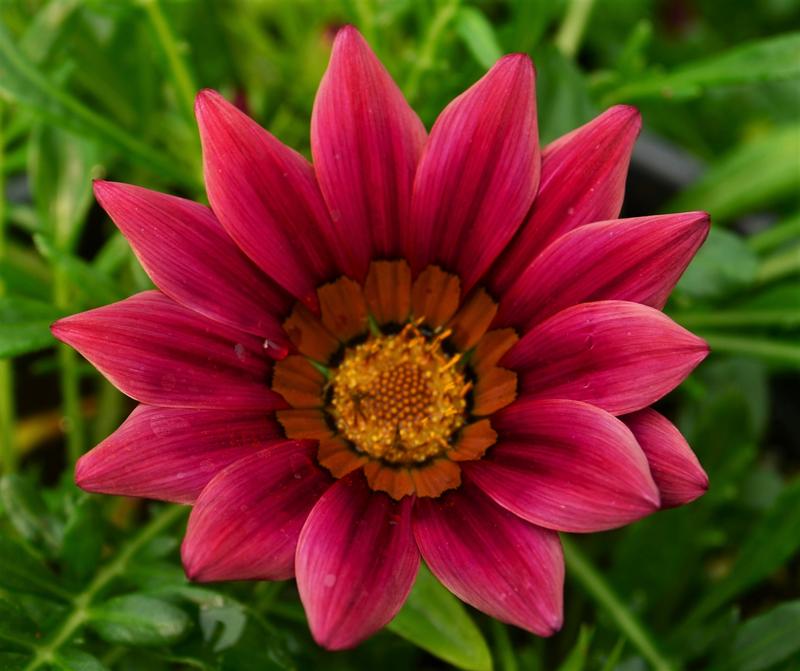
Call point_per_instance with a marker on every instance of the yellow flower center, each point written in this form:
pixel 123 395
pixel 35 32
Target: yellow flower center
pixel 399 397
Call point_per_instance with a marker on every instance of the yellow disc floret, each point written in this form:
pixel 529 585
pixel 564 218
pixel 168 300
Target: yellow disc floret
pixel 399 397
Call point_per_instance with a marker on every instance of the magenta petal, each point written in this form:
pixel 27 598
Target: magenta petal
pixel 637 260
pixel 356 562
pixel 266 196
pixel 617 355
pixel 171 453
pixel 583 180
pixel 566 465
pixel 675 468
pixel 366 142
pixel 189 256
pixel 492 559
pixel 245 524
pixel 478 174
pixel 161 353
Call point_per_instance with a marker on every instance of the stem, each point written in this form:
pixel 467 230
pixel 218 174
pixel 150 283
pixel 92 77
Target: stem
pixel 184 82
pixel 569 37
pixel 46 652
pixel 430 44
pixel 598 588
pixel 8 457
pixel 736 318
pixel 782 352
pixel 504 650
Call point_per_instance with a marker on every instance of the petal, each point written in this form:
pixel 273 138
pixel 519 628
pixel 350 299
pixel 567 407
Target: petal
pixel 300 383
pixel 344 311
pixel 478 174
pixel 567 466
pixel 308 334
pixel 473 441
pixel 675 468
pixel 396 481
pixel 435 296
pixel 246 522
pixel 266 197
pixel 617 355
pixel 637 260
pixel 495 388
pixel 472 319
pixel 356 562
pixel 366 142
pixel 161 353
pixel 191 258
pixel 339 456
pixel 493 560
pixel 388 291
pixel 583 180
pixel 171 453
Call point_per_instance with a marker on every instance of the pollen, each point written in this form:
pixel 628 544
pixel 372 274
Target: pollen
pixel 400 398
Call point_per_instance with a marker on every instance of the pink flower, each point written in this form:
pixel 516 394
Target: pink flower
pixel 440 345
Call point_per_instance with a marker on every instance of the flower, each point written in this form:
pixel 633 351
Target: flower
pixel 440 345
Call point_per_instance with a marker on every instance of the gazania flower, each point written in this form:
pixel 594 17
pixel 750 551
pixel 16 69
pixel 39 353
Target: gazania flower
pixel 435 345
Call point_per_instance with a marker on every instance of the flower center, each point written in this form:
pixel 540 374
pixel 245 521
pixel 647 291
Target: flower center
pixel 399 397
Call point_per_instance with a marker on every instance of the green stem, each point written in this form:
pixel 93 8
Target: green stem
pixel 184 82
pixel 781 352
pixel 570 34
pixel 46 652
pixel 504 650
pixel 430 44
pixel 8 456
pixel 737 318
pixel 595 584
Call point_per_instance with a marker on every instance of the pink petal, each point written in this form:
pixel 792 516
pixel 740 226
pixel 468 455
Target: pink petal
pixel 366 142
pixel 246 522
pixel 493 560
pixel 675 468
pixel 171 453
pixel 189 256
pixel 583 180
pixel 637 260
pixel 617 355
pixel 356 562
pixel 266 197
pixel 161 353
pixel 566 465
pixel 478 174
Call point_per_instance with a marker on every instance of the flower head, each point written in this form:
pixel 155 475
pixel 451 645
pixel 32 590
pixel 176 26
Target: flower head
pixel 440 345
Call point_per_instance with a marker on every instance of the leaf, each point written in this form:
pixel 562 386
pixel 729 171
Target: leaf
pixel 436 621
pixel 722 265
pixel 576 660
pixel 771 59
pixel 28 513
pixel 15 625
pixel 563 100
pixel 73 659
pixel 13 661
pixel 478 35
pixel 22 571
pixel 25 325
pixel 771 542
pixel 764 641
pixel 83 540
pixel 752 175
pixel 139 620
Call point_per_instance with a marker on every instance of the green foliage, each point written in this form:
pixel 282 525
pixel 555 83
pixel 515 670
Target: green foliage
pixel 104 89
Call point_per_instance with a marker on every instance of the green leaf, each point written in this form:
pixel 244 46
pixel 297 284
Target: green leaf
pixel 25 325
pixel 22 571
pixel 769 544
pixel 23 83
pixel 436 621
pixel 139 620
pixel 28 513
pixel 13 661
pixel 83 540
pixel 771 59
pixel 763 641
pixel 15 625
pixel 752 175
pixel 577 658
pixel 478 35
pixel 73 659
pixel 723 264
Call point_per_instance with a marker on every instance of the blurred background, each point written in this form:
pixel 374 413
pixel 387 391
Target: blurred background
pixel 105 88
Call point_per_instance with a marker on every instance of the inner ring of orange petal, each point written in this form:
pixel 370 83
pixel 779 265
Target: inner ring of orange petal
pixel 395 377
